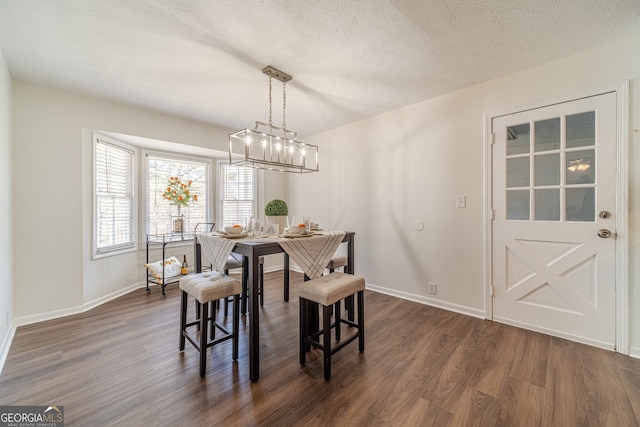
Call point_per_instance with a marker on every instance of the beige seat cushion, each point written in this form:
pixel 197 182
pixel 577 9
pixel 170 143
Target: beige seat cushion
pixel 336 262
pixel 210 286
pixel 331 288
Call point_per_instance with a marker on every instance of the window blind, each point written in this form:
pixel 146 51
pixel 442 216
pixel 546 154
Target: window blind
pixel 114 198
pixel 237 195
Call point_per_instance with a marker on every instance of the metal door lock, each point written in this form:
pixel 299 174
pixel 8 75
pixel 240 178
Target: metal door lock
pixel 604 233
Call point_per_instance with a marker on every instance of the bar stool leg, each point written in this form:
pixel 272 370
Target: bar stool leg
pixel 212 310
pixel 337 315
pixel 245 284
pixel 303 330
pixel 226 299
pixel 326 319
pixel 236 325
pixel 285 274
pixel 204 321
pixel 197 305
pixel 361 321
pixel 348 304
pixel 183 319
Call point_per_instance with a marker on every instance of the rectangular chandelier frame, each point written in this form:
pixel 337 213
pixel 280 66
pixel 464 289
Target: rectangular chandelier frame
pixel 272 148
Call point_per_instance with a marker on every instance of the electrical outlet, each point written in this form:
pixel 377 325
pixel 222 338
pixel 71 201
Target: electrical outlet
pixel 433 288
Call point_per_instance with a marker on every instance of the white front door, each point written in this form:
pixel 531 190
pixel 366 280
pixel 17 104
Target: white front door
pixel 554 201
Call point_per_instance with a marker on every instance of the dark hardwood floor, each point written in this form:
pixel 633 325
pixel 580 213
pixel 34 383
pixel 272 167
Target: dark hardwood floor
pixel 119 365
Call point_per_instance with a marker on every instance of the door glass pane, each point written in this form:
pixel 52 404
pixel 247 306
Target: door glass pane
pixel 547 135
pixel 547 205
pixel 518 172
pixel 581 167
pixel 518 138
pixel 518 204
pixel 547 169
pixel 581 129
pixel 581 204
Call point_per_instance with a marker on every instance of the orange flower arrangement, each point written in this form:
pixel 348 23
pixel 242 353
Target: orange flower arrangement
pixel 178 192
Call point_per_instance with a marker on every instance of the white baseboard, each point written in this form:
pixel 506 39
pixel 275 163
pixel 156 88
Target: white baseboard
pixel 474 312
pixel 634 352
pixel 6 344
pixel 410 297
pixel 56 314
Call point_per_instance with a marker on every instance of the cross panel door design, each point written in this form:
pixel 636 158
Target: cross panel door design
pixel 554 190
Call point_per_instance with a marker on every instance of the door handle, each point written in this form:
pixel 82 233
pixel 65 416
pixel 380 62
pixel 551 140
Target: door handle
pixel 604 233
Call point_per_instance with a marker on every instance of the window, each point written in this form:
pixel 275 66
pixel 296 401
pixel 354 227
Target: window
pixel 237 194
pixel 162 214
pixel 552 171
pixel 114 213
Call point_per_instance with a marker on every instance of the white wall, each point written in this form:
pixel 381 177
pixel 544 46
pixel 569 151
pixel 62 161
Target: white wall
pixel 54 272
pixel 381 174
pixel 377 177
pixel 6 214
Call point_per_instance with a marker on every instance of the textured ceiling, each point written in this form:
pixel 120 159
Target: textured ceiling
pixel 349 59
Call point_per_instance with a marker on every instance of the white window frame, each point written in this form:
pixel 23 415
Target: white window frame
pixel 220 199
pixel 133 244
pixel 145 226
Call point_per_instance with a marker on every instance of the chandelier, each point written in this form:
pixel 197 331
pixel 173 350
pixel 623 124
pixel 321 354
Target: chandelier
pixel 270 147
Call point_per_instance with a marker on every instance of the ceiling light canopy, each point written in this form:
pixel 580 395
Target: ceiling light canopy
pixel 270 147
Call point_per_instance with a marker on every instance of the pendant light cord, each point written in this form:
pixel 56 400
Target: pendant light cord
pixel 270 119
pixel 284 106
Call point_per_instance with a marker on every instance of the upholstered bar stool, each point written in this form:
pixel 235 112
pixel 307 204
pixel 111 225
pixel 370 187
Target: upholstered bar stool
pixel 328 291
pixel 341 262
pixel 337 262
pixel 232 263
pixel 205 288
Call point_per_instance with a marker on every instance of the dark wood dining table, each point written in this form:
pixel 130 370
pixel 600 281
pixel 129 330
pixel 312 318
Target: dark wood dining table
pixel 252 251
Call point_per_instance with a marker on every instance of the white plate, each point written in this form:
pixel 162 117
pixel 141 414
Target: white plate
pixel 292 236
pixel 234 236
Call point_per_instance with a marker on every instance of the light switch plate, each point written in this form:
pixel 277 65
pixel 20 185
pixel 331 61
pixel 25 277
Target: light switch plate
pixel 461 201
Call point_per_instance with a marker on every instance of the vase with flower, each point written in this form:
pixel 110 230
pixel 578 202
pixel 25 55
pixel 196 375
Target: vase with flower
pixel 179 193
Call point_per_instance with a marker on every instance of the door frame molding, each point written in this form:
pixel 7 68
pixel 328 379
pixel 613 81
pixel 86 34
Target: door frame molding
pixel 621 90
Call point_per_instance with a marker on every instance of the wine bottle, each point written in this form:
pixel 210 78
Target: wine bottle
pixel 185 266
